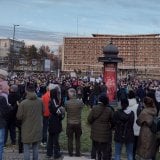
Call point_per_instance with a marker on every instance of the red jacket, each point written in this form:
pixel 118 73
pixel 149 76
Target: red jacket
pixel 45 100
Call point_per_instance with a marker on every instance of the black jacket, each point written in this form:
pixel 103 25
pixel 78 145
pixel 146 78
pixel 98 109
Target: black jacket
pixel 13 97
pixel 55 119
pixel 123 127
pixel 4 112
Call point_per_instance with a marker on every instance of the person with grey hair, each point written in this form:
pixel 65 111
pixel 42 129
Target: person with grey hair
pixel 72 93
pixel 73 108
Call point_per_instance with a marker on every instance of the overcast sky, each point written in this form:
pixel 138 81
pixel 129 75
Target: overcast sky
pixel 51 19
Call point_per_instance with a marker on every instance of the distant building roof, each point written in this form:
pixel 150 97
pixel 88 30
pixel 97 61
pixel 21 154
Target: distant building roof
pixel 137 35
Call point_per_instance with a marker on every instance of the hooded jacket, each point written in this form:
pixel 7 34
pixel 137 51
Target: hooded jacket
pixel 30 112
pixel 123 121
pixel 100 119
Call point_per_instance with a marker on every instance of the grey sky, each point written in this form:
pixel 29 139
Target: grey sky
pixel 52 19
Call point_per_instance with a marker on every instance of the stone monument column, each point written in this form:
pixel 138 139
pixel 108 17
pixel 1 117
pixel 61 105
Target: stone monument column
pixel 110 61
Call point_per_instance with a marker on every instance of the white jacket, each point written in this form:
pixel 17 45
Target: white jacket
pixel 157 95
pixel 133 106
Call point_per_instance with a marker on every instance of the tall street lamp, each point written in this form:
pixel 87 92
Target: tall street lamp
pixel 14 30
pixel 11 57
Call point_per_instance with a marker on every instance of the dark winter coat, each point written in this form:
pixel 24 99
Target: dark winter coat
pixel 86 92
pixel 101 124
pixel 30 112
pixel 91 97
pixel 13 97
pixel 4 112
pixel 123 126
pixel 97 89
pixel 55 118
pixel 122 94
pixel 74 108
pixel 147 140
pixel 141 93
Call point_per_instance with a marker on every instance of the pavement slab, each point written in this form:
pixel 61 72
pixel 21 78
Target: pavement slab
pixel 11 153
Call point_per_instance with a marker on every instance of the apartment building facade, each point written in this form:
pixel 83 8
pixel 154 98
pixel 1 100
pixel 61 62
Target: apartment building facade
pixel 8 46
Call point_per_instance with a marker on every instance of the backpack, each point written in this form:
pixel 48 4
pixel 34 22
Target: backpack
pixel 155 126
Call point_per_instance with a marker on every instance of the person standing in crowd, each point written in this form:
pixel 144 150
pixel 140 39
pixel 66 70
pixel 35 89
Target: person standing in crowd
pixel 146 149
pixel 100 119
pixel 64 91
pixel 4 113
pixel 91 96
pixel 46 113
pixel 151 93
pixel 133 105
pixel 123 121
pixel 30 112
pixel 97 91
pixel 86 93
pixel 157 96
pixel 79 92
pixel 140 93
pixel 13 97
pixel 122 93
pixel 22 94
pixel 73 108
pixel 4 108
pixel 4 87
pixel 55 123
pixel 103 87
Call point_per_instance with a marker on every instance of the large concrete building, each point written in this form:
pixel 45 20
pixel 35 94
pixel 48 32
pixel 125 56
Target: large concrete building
pixel 140 53
pixel 8 46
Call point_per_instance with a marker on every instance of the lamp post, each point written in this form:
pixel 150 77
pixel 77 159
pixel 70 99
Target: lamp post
pixel 11 56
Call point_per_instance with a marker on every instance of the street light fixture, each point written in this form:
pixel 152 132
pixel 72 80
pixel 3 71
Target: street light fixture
pixel 12 54
pixel 14 29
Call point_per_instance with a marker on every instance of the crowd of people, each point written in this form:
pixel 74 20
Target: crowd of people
pixel 36 104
